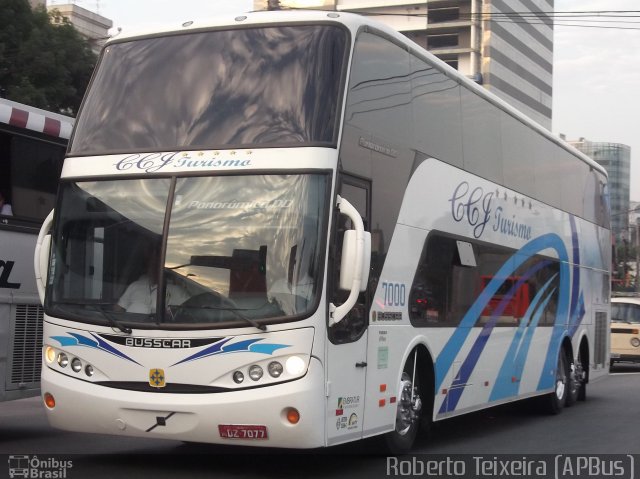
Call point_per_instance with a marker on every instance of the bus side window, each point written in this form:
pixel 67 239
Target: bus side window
pixel 5 174
pixel 432 284
pixel 5 204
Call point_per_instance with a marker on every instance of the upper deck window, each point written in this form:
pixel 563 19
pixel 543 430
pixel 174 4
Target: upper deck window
pixel 268 86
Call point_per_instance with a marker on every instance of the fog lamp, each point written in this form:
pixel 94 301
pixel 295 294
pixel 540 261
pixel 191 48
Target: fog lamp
pixel 275 369
pixel 255 372
pixel 76 365
pixel 63 360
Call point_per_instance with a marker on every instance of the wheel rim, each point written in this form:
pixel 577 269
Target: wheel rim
pixel 577 375
pixel 408 412
pixel 561 378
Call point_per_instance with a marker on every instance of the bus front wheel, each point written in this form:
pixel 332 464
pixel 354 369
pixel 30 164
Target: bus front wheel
pixel 408 414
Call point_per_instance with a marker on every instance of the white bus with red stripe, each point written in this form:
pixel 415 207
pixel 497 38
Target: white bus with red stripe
pixel 330 235
pixel 32 147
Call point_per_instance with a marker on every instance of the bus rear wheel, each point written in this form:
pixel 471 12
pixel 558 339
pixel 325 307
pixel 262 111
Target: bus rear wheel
pixel 578 380
pixel 556 400
pixel 408 415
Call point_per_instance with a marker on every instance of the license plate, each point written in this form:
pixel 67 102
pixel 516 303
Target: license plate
pixel 242 431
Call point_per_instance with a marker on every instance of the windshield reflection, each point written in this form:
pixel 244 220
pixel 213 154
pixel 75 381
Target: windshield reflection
pixel 276 85
pixel 238 250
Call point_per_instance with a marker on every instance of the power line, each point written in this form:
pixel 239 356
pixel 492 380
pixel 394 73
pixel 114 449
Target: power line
pixel 603 19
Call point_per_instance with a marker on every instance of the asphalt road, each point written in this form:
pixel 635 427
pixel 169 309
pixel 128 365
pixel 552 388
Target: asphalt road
pixel 605 424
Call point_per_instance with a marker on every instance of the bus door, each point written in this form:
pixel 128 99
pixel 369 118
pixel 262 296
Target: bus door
pixel 347 345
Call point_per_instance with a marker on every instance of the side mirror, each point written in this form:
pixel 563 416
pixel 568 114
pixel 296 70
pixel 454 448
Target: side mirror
pixel 41 256
pixel 356 257
pixel 348 262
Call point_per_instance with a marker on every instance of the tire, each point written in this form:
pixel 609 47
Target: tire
pixel 556 400
pixel 578 380
pixel 408 415
pixel 584 364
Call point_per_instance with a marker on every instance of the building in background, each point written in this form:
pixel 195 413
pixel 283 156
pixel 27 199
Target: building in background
pixel 634 222
pixel 92 26
pixel 505 45
pixel 616 159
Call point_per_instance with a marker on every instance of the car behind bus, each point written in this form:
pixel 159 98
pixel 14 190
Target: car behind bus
pixel 625 329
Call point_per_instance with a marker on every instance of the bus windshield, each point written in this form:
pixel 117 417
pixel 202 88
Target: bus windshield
pixel 229 250
pixel 268 86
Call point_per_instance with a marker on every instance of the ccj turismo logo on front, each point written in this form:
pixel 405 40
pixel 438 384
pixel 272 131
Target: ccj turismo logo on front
pixel 33 467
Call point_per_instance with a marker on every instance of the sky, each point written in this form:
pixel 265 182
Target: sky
pixel 596 79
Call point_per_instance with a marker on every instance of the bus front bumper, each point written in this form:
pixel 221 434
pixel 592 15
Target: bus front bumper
pixel 252 417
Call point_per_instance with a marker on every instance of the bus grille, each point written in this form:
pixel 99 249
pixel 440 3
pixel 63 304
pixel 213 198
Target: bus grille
pixel 27 345
pixel 600 351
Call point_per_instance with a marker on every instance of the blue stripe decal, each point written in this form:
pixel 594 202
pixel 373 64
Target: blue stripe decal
pixel 84 341
pixel 77 339
pixel 214 349
pixel 222 347
pixel 102 344
pixel 65 341
pixel 564 312
pixel 524 349
pixel 548 372
pixel 513 363
pixel 454 344
pixel 461 380
pixel 577 316
pixel 266 348
pixel 577 298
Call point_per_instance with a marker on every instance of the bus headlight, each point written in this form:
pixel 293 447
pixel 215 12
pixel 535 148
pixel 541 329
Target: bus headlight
pixel 63 360
pixel 88 370
pixel 50 354
pixel 238 377
pixel 295 365
pixel 635 342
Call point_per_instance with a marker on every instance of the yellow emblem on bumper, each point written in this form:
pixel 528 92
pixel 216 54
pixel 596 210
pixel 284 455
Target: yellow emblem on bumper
pixel 156 378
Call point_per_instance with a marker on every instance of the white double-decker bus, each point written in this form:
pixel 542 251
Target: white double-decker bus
pixel 32 147
pixel 298 229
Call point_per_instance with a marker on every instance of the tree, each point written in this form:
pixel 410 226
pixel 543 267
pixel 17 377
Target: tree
pixel 44 61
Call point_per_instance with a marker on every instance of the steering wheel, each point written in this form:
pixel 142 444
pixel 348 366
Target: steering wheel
pixel 203 308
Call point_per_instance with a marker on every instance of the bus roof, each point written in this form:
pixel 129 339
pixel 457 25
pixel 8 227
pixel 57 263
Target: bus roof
pixel 24 116
pixel 354 22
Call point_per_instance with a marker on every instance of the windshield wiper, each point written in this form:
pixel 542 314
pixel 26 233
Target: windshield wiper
pixel 115 324
pixel 252 322
pixel 235 311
